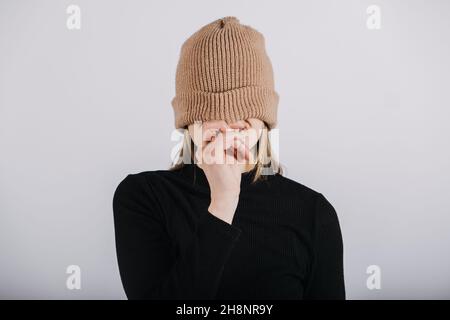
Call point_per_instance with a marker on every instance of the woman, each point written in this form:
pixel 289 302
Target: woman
pixel 224 223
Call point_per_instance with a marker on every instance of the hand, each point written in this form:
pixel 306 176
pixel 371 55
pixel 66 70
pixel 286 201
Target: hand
pixel 221 155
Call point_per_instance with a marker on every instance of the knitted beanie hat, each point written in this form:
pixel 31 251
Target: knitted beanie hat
pixel 224 73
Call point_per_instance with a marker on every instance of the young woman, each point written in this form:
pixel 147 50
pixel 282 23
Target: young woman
pixel 223 222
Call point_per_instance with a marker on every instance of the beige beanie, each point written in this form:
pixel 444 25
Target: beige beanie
pixel 224 73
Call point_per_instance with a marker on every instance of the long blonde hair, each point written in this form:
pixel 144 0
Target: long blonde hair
pixel 266 162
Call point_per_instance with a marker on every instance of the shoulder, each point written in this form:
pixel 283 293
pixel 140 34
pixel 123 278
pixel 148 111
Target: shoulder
pixel 131 183
pixel 320 205
pixel 142 180
pixel 292 188
pixel 325 211
pixel 139 188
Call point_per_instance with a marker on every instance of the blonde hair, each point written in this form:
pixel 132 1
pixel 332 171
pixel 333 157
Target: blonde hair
pixel 266 162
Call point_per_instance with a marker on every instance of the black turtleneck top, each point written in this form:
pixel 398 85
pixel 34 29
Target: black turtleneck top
pixel 284 242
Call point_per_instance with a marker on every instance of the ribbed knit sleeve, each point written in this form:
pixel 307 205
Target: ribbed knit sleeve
pixel 148 267
pixel 326 280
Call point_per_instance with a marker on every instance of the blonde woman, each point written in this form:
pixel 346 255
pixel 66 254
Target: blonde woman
pixel 223 222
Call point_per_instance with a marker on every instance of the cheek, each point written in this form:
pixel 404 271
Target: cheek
pixel 253 142
pixel 250 138
pixel 195 134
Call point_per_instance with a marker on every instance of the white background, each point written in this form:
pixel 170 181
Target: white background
pixel 363 118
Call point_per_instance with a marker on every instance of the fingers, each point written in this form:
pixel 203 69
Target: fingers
pixel 209 134
pixel 222 141
pixel 213 152
pixel 214 124
pixel 242 152
pixel 211 129
pixel 241 124
pixel 222 147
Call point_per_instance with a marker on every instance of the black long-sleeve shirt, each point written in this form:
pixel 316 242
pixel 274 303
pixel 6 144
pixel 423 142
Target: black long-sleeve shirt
pixel 284 242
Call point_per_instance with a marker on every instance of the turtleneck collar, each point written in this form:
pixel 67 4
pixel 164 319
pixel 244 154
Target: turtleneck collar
pixel 194 174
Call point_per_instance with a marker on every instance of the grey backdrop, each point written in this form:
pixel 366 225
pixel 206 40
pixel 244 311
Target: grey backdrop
pixel 363 119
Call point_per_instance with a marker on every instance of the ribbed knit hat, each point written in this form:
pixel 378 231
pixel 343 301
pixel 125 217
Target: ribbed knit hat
pixel 224 73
